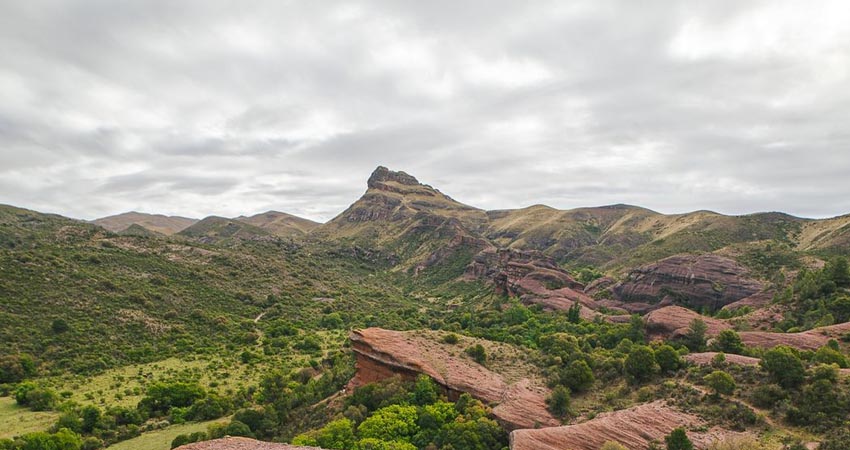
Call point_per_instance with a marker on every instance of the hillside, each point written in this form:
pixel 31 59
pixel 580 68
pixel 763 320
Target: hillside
pixel 414 321
pixel 280 224
pixel 159 223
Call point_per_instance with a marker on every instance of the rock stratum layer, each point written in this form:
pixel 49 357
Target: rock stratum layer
pixel 518 398
pixel 634 428
pixel 699 281
pixel 672 322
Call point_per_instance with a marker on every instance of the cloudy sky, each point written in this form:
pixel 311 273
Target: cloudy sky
pixel 211 107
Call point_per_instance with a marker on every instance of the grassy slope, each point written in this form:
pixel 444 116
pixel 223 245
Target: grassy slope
pixel 161 439
pixel 15 420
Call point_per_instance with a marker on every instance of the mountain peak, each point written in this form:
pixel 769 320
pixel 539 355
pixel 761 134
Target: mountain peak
pixel 382 175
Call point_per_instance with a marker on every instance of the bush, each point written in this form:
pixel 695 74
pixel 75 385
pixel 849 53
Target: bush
pixel 768 395
pixel 577 376
pixel 161 397
pixel 559 402
pixel 477 353
pixel 640 364
pixel 668 359
pixel 720 382
pixel 784 366
pixel 451 339
pixel 678 440
pixel 728 341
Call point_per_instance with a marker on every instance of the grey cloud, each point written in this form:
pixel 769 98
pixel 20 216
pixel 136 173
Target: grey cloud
pixel 208 107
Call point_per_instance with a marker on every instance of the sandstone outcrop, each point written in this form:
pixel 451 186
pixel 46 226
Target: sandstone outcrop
pixel 698 281
pixel 240 443
pixel 519 399
pixel 673 322
pixel 533 277
pixel 634 428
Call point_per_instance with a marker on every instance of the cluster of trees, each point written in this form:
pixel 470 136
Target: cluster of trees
pixel 818 297
pixel 399 416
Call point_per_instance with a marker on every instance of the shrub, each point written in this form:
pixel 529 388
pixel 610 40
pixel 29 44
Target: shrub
pixel 668 359
pixel 477 353
pixel 451 338
pixel 559 402
pixel 694 338
pixel 784 366
pixel 640 365
pixel 578 376
pixel 720 382
pixel 728 341
pixel 678 440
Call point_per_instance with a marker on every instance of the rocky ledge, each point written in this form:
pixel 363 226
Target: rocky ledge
pixel 634 428
pixel 519 400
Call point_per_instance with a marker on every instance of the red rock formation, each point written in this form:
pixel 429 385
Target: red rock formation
pixel 634 428
pixel 385 353
pixel 699 280
pixel 533 277
pixel 240 443
pixel 673 322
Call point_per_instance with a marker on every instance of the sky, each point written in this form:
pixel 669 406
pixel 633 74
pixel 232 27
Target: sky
pixel 211 107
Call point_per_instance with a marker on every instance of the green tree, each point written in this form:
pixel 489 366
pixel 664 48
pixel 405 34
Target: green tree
pixel 574 313
pixel 477 353
pixel 728 341
pixel 394 422
pixel 694 338
pixel 425 390
pixel 838 272
pixel 720 382
pixel 784 366
pixel 678 440
pixel 337 435
pixel 577 376
pixel 559 402
pixel 827 355
pixel 640 365
pixel 90 415
pixel 668 359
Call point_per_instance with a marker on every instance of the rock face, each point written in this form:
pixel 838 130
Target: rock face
pixel 673 322
pixel 698 281
pixel 519 400
pixel 532 276
pixel 806 340
pixel 634 428
pixel 240 443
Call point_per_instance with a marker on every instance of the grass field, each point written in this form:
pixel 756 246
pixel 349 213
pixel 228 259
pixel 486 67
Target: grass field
pixel 161 439
pixel 15 420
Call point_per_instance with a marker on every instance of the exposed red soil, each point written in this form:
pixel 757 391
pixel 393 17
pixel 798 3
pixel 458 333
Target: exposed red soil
pixel 634 428
pixel 385 353
pixel 240 443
